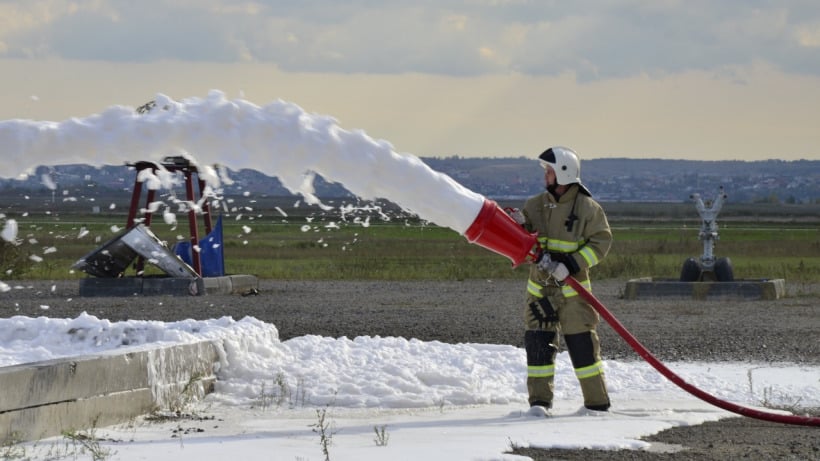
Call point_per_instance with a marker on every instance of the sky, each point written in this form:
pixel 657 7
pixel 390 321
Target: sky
pixel 433 400
pixel 635 78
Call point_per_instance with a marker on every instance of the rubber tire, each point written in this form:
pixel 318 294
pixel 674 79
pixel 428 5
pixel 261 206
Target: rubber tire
pixel 724 271
pixel 691 271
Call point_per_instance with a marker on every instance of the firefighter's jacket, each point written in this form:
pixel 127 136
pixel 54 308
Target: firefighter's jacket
pixel 573 229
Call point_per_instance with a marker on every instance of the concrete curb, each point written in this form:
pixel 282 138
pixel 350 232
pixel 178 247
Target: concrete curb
pixel 231 284
pixel 647 287
pixel 43 399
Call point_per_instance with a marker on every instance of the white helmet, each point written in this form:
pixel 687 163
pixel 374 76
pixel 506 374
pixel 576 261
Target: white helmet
pixel 564 162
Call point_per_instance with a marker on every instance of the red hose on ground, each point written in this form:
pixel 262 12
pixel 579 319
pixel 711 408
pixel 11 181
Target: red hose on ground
pixel 644 352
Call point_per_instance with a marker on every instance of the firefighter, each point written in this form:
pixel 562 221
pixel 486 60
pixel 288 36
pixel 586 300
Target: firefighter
pixel 574 234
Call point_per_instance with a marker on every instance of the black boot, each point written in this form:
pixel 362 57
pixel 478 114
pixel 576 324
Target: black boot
pixel 604 407
pixel 541 403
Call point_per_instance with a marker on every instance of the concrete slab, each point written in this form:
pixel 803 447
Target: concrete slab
pixel 648 287
pixel 44 399
pixel 140 286
pixel 167 286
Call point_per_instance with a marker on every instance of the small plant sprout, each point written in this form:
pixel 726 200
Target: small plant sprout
pixel 324 428
pixel 190 393
pixel 88 442
pixel 381 435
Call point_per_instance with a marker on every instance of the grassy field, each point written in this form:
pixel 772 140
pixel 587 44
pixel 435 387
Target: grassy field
pixel 276 238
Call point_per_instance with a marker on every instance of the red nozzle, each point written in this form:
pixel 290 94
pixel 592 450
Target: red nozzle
pixel 495 230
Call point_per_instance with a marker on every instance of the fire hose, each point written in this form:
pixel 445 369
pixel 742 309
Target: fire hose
pixel 669 374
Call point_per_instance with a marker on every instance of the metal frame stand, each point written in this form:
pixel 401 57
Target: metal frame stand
pixel 174 165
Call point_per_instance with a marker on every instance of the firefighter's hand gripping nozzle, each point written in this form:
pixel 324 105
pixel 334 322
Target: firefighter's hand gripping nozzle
pixel 497 231
pixel 517 215
pixel 556 269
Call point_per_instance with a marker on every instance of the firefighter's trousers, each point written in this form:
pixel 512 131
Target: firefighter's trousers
pixel 576 321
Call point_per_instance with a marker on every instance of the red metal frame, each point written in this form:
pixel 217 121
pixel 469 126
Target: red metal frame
pixel 173 164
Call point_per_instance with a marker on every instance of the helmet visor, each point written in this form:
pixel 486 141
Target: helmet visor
pixel 547 158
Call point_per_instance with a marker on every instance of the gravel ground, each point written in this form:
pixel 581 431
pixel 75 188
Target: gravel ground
pixel 484 311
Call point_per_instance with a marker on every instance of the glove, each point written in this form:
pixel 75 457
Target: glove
pixel 556 269
pixel 517 215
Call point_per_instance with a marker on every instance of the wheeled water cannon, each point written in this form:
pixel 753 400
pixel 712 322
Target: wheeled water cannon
pixel 708 267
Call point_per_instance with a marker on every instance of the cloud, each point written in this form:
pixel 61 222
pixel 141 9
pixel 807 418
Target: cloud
pixel 591 40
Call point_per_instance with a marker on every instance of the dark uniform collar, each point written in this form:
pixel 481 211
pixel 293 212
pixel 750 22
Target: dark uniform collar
pixel 572 192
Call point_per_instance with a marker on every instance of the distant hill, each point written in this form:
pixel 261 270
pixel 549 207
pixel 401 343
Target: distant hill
pixel 646 180
pixel 610 179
